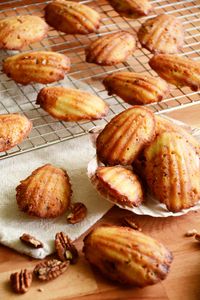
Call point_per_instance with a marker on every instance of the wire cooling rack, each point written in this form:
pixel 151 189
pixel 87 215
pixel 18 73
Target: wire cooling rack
pixel 46 130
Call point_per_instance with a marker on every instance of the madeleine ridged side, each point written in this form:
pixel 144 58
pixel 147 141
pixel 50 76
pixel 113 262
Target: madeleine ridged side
pixel 135 88
pixel 46 193
pixel 164 125
pixel 72 17
pixel 70 104
pixel 177 70
pixel 127 256
pixel 172 171
pixel 111 49
pixel 41 67
pixel 125 136
pixel 131 8
pixel 162 34
pixel 118 185
pixel 14 128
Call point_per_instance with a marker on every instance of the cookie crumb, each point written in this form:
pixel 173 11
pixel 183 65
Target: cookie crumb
pixel 40 290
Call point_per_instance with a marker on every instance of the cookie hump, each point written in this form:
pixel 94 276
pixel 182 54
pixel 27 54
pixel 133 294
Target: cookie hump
pixel 46 193
pixel 125 136
pixel 162 34
pixel 20 31
pixel 71 105
pixel 38 67
pixel 118 185
pixel 177 70
pixel 14 128
pixel 131 8
pixel 111 49
pixel 135 88
pixel 172 171
pixel 127 256
pixel 72 17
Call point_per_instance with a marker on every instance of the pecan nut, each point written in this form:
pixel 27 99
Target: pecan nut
pixel 21 281
pixel 65 248
pixel 197 237
pixel 129 221
pixel 31 241
pixel 191 232
pixel 50 269
pixel 77 214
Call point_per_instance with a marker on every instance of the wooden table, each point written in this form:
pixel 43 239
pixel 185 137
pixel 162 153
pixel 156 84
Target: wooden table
pixel 81 282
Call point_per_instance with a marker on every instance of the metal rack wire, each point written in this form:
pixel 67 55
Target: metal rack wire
pixel 46 130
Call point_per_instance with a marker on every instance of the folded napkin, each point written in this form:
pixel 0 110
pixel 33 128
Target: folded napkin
pixel 72 155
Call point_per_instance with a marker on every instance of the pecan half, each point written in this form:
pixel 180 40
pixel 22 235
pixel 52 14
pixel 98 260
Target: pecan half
pixel 31 241
pixel 191 232
pixel 50 269
pixel 197 237
pixel 21 281
pixel 77 214
pixel 65 248
pixel 129 222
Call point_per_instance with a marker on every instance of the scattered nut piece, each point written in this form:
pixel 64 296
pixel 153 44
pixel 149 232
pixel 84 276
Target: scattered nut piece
pixel 77 214
pixel 65 248
pixel 21 281
pixel 40 290
pixel 197 237
pixel 191 232
pixel 31 241
pixel 50 269
pixel 129 222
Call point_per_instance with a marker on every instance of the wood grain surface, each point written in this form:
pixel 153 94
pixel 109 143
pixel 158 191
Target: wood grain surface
pixel 82 282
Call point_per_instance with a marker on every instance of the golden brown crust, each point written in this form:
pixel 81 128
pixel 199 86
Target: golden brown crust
pixel 163 34
pixel 42 67
pixel 125 136
pixel 111 49
pixel 135 88
pixel 119 185
pixel 177 70
pixel 71 17
pixel 14 128
pixel 127 256
pixel 70 104
pixel 19 31
pixel 46 193
pixel 131 8
pixel 164 125
pixel 173 171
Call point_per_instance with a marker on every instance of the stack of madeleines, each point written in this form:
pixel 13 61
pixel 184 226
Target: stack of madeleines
pixel 164 158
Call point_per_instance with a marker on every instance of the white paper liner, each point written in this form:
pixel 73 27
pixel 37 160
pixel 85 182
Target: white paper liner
pixel 151 207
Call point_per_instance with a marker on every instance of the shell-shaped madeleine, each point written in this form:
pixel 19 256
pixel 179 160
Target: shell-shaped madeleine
pixel 135 88
pixel 111 49
pixel 163 34
pixel 13 129
pixel 70 104
pixel 45 193
pixel 173 171
pixel 19 31
pixel 72 17
pixel 118 185
pixel 177 70
pixel 127 256
pixel 124 137
pixel 164 125
pixel 131 8
pixel 42 67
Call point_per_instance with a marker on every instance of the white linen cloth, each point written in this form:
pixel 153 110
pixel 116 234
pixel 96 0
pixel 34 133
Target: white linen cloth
pixel 73 156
